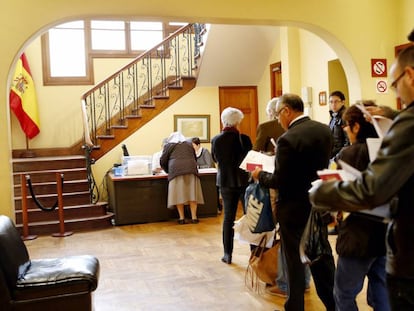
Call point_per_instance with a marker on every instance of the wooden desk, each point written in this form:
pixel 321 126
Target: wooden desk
pixel 143 198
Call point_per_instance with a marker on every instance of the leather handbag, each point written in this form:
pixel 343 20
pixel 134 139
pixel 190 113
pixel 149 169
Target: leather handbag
pixel 262 264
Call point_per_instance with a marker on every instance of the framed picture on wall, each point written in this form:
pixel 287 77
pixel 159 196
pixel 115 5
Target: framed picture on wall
pixel 322 98
pixel 193 126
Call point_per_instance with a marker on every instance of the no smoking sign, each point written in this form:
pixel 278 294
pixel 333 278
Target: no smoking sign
pixel 378 67
pixel 381 86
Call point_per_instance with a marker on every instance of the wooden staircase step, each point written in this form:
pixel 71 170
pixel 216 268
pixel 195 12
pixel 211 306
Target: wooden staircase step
pixel 106 136
pixel 51 187
pixel 44 163
pixel 118 126
pixel 80 224
pixel 69 199
pixel 69 212
pixel 50 175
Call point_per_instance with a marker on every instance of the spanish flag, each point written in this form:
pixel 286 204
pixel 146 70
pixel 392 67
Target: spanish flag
pixel 23 99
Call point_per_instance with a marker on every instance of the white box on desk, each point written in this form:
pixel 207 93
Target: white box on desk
pixel 137 165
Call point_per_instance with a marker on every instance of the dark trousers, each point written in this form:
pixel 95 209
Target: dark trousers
pixel 323 271
pixel 230 198
pixel 401 293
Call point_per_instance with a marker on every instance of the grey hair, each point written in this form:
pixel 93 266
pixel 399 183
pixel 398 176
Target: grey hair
pixel 271 107
pixel 231 116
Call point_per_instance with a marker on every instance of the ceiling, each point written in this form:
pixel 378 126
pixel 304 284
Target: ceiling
pixel 236 55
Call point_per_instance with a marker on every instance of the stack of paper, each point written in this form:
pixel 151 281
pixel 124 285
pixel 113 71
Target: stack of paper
pixel 255 159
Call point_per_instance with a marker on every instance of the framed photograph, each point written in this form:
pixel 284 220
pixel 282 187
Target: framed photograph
pixel 322 98
pixel 193 126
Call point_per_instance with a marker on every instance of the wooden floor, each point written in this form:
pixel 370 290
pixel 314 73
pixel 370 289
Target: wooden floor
pixel 165 266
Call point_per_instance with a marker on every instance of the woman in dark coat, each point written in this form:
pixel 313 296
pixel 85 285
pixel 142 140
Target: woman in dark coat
pixel 178 159
pixel 361 241
pixel 228 149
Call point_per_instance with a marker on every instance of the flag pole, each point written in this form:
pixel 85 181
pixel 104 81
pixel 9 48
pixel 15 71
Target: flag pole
pixel 28 153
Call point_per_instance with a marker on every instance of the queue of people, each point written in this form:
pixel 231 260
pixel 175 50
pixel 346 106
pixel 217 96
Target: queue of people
pixel 384 181
pixel 366 247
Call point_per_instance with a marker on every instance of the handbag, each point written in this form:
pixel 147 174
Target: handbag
pixel 262 264
pixel 314 242
pixel 258 208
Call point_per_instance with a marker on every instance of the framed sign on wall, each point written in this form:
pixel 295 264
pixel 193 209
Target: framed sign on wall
pixel 193 126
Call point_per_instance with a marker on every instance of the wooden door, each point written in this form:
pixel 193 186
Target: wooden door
pixel 276 89
pixel 245 99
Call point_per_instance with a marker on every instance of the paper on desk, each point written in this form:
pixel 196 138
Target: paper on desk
pixel 255 158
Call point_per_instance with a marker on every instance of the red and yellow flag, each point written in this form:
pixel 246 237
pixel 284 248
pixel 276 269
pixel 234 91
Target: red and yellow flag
pixel 23 101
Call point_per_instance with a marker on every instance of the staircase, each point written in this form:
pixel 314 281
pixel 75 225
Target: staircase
pixel 131 97
pixel 79 213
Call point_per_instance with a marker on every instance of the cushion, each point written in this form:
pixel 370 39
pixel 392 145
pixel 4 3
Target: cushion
pixel 14 259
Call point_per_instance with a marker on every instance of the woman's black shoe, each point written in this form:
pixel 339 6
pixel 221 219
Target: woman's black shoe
pixel 181 221
pixel 226 259
pixel 195 221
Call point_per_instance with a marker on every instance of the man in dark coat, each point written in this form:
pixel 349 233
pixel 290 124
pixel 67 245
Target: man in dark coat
pixel 301 151
pixel 336 124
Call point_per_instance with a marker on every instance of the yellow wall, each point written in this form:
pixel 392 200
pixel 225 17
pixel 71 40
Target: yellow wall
pixel 202 100
pixel 355 30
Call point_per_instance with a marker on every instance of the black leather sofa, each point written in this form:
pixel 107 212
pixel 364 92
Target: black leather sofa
pixel 58 284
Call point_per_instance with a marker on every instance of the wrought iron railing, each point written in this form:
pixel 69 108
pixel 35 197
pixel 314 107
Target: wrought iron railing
pixel 138 83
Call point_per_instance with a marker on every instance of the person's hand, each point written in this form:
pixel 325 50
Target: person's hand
pixel 255 173
pixel 374 111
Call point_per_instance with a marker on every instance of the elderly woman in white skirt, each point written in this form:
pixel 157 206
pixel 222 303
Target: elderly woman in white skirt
pixel 178 159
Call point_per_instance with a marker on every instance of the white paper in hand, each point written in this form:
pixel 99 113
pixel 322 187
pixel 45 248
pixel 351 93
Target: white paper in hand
pixel 255 159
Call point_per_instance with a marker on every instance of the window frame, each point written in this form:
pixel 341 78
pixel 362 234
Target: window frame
pixel 90 54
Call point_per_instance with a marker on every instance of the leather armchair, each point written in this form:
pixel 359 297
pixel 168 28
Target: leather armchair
pixel 62 284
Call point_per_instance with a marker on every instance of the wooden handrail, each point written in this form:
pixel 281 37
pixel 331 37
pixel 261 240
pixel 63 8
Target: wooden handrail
pixel 138 58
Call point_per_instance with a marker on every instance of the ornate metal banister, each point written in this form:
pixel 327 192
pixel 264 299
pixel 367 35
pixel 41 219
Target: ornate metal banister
pixel 149 75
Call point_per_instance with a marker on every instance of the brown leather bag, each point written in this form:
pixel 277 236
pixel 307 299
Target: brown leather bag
pixel 262 264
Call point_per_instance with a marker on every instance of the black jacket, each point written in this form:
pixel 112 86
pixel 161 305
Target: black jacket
pixel 359 236
pixel 336 124
pixel 228 149
pixel 301 151
pixel 390 175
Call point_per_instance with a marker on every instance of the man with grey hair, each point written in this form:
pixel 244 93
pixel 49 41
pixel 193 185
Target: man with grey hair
pixel 301 151
pixel 390 177
pixel 268 130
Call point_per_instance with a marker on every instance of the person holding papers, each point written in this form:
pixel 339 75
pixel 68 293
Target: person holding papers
pixel 267 134
pixel 388 179
pixel 361 240
pixel 228 149
pixel 301 151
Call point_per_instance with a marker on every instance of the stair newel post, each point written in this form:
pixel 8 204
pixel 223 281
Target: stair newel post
pixel 61 233
pixel 25 215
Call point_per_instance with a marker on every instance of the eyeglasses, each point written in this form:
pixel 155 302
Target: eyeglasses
pixel 277 113
pixel 336 101
pixel 395 82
